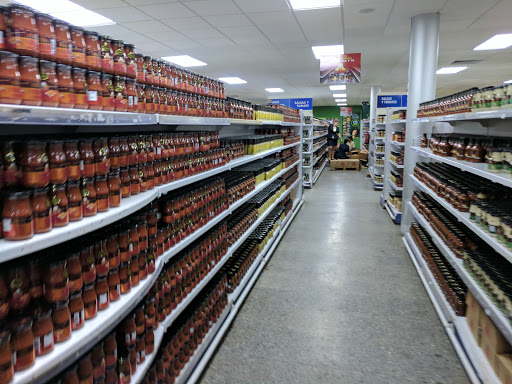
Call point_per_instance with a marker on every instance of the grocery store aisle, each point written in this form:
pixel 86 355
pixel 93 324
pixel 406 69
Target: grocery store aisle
pixel 339 302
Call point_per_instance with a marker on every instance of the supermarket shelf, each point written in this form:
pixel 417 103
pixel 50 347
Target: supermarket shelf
pixel 319 157
pixel 500 320
pixel 66 353
pixel 479 169
pixel 245 122
pixel 319 137
pixel 191 120
pixel 394 186
pixel 318 173
pixel 504 113
pixel 398 143
pixel 233 297
pixel 396 165
pixel 476 365
pixel 24 114
pixel 379 153
pixel 399 121
pixel 380 138
pixel 282 123
pixel 381 124
pixel 463 217
pixel 393 212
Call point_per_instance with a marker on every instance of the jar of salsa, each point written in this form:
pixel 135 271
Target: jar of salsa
pixel 70 376
pixel 131 92
pixel 114 285
pixel 141 68
pixel 75 201
pixel 17 216
pixel 121 100
pixel 56 280
pixel 108 100
pixel 42 328
pixel 128 330
pixel 49 83
pixel 131 63
pixel 124 277
pixel 101 156
pixel 114 188
pixel 47 36
pixel 84 370
pixel 143 266
pixel 141 98
pixel 76 308
pixel 90 299
pixel 41 207
pixel 107 55
pixel 21 34
pixel 92 50
pixel 135 179
pixel 74 265
pixel 6 357
pixel 18 282
pixel 35 165
pixel 124 176
pixel 124 369
pixel 36 280
pixel 77 40
pixel 89 203
pixel 140 348
pixel 61 318
pixel 87 158
pixel 149 339
pixel 114 151
pixel 66 87
pixel 30 81
pixel 94 90
pixel 72 160
pixel 80 87
pixel 134 271
pixel 119 58
pixel 156 72
pixel 101 257
pixel 64 49
pixel 102 293
pixel 59 200
pixel 57 160
pixel 10 92
pixel 149 70
pixel 22 343
pixel 150 103
pixel 102 194
pixel 124 152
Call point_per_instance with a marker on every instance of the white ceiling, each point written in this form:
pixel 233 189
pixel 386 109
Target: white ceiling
pixel 267 44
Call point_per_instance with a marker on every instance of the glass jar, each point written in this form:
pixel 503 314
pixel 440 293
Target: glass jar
pixel 98 363
pixel 149 340
pixel 75 201
pixel 42 328
pixel 124 369
pixel 78 57
pixel 108 98
pixel 149 70
pixel 76 309
pixel 59 200
pixel 124 176
pixel 141 68
pixel 22 344
pixel 35 165
pixel 30 81
pixel 134 271
pixel 128 330
pixel 102 292
pixel 64 48
pixel 80 87
pixel 57 161
pixel 124 152
pixel 135 179
pixel 101 257
pixel 140 348
pixel 6 357
pixel 84 370
pixel 49 83
pixel 21 34
pixel 90 301
pixel 61 318
pixel 18 216
pixel 66 86
pixel 41 208
pixel 101 156
pixel 94 91
pixel 131 62
pixel 141 98
pixel 110 350
pixel 47 37
pixel 88 264
pixel 102 194
pixel 87 163
pixel 107 55
pixel 113 251
pixel 114 150
pixel 74 268
pixel 10 93
pixel 121 100
pixel 124 277
pixel 150 103
pixel 114 285
pixel 56 281
pixel 89 203
pixel 92 51
pixel 131 92
pixel 119 58
pixel 114 188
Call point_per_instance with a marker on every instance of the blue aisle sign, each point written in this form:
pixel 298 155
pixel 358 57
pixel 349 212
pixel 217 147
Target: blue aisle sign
pixel 391 101
pixel 304 103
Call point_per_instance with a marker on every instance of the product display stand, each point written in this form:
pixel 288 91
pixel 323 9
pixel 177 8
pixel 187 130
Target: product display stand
pixel 314 146
pixel 365 129
pixel 376 167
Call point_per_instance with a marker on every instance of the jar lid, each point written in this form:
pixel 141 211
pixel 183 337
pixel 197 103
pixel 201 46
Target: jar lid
pixel 61 304
pixel 93 73
pixel 82 70
pixel 63 67
pixel 91 33
pixel 5 54
pixel 76 294
pixel 106 76
pixel 20 194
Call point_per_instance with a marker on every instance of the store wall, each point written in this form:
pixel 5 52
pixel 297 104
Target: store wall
pixel 349 125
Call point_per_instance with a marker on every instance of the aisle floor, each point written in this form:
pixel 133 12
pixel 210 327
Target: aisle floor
pixel 339 302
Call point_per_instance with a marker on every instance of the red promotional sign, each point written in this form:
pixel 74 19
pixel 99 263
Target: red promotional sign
pixel 345 111
pixel 340 69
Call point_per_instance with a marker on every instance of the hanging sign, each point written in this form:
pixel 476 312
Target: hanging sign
pixel 346 111
pixel 391 101
pixel 304 103
pixel 340 69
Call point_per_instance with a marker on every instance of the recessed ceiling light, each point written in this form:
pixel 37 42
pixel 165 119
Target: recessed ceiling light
pixel 342 104
pixel 184 61
pixel 327 50
pixel 501 41
pixel 274 90
pixel 367 10
pixel 337 87
pixel 232 80
pixel 302 5
pixel 68 11
pixel 340 100
pixel 507 82
pixel 450 70
pixel 339 95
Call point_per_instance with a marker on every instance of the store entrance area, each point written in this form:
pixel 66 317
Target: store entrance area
pixel 339 302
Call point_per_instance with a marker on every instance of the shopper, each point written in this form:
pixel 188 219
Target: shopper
pixel 351 143
pixel 332 138
pixel 343 152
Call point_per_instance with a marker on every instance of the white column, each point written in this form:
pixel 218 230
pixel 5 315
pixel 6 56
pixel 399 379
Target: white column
pixel 423 55
pixel 374 90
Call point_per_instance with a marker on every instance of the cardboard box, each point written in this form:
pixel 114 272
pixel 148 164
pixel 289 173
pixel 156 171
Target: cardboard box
pixel 474 313
pixel 344 164
pixel 493 342
pixel 504 368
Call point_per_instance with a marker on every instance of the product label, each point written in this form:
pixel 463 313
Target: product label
pixel 48 340
pixel 130 101
pixel 103 298
pixel 92 95
pixel 6 224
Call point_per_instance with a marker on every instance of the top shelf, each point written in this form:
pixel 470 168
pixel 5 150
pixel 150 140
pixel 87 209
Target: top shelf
pixel 500 114
pixel 399 121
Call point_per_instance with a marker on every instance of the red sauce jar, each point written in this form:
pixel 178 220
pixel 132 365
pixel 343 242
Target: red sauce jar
pixel 77 40
pixel 90 301
pixel 76 309
pixel 114 284
pixel 131 63
pixel 121 100
pixel 141 98
pixel 59 199
pixel 148 66
pixel 156 72
pixel 10 91
pixel 89 203
pixel 30 81
pixel 61 318
pixel 124 277
pixel 35 165
pixel 49 83
pixel 131 92
pixel 141 68
pixel 102 292
pixel 110 350
pixel 3 28
pixel 101 159
pixel 42 328
pixel 107 55
pixel 18 282
pixel 92 50
pixel 56 281
pixel 64 49
pixel 80 87
pixel 84 370
pixel 101 258
pixel 94 90
pixel 66 87
pixel 75 201
pixel 108 100
pixel 22 31
pixel 87 158
pixel 57 160
pixel 74 267
pixel 72 160
pixel 124 176
pixel 41 207
pixel 102 193
pixel 6 357
pixel 135 179
pixel 113 251
pixel 47 37
pixel 22 343
pixel 114 188
pixel 150 100
pixel 114 150
pixel 119 58
pixel 124 152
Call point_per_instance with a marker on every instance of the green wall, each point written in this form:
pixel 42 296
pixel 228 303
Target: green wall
pixel 334 112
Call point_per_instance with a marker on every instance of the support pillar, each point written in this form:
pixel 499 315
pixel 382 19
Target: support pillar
pixel 374 90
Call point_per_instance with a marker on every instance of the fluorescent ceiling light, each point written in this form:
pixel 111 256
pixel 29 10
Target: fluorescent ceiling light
pixel 339 95
pixel 68 11
pixel 232 80
pixel 184 61
pixel 450 70
pixel 342 104
pixel 301 5
pixel 340 100
pixel 501 41
pixel 507 82
pixel 337 87
pixel 327 50
pixel 274 90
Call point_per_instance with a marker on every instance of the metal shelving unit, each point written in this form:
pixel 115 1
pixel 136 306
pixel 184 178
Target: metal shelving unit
pixel 316 147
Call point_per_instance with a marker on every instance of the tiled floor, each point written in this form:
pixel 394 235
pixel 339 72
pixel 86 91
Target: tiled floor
pixel 339 302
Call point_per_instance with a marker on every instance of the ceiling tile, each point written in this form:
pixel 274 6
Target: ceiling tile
pixel 124 14
pixel 213 7
pixel 100 4
pixel 147 26
pixel 249 6
pixel 228 20
pixel 149 2
pixel 166 36
pixel 203 34
pixel 272 18
pixel 220 42
pixel 167 11
pixel 187 23
pixel 184 45
pixel 331 31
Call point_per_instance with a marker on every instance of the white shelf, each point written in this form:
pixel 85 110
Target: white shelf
pixel 245 122
pixel 396 165
pixel 380 153
pixel 504 113
pixel 318 173
pixel 282 123
pixel 394 186
pixel 463 217
pixel 233 297
pixel 397 143
pixel 480 169
pixel 499 319
pixel 399 121
pixel 319 157
pixel 392 211
pixel 381 124
pixel 191 120
pixel 318 137
pixel 380 138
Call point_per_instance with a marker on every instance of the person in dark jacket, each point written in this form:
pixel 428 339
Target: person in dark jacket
pixel 332 138
pixel 343 152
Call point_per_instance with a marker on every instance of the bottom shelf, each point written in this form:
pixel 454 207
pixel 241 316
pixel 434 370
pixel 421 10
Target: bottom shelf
pixel 472 357
pixel 317 173
pixel 395 215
